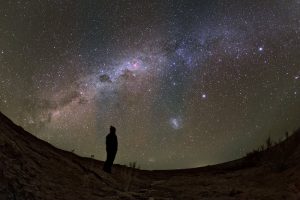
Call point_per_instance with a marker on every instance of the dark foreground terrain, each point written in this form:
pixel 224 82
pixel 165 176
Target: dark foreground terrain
pixel 33 169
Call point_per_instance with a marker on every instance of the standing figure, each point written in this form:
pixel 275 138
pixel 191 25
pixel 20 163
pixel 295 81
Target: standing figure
pixel 111 149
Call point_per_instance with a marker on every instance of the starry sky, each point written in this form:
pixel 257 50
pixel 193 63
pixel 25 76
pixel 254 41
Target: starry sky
pixel 186 83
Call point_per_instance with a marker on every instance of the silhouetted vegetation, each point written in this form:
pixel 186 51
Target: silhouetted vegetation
pixel 269 142
pixel 286 135
pixel 274 158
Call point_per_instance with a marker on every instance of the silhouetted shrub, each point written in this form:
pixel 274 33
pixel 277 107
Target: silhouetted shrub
pixel 286 135
pixel 269 142
pixel 279 157
pixel 262 148
pixel 253 157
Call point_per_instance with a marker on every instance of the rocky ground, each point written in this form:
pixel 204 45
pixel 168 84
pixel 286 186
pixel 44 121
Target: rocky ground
pixel 33 169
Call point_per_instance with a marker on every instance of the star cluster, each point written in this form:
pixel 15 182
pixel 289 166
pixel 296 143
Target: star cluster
pixel 186 83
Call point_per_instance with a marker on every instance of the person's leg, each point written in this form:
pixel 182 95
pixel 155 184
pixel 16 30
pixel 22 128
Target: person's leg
pixel 109 163
pixel 106 163
pixel 110 160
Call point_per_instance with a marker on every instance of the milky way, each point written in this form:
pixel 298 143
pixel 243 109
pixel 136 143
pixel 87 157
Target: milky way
pixel 186 83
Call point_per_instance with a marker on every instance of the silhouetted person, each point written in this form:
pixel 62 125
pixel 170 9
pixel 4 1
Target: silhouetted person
pixel 111 149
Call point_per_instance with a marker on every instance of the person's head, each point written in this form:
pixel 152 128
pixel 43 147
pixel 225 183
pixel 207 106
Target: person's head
pixel 112 129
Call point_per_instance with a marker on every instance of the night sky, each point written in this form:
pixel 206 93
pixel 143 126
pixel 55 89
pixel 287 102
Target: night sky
pixel 186 83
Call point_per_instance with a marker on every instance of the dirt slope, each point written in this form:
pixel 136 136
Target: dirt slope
pixel 33 169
